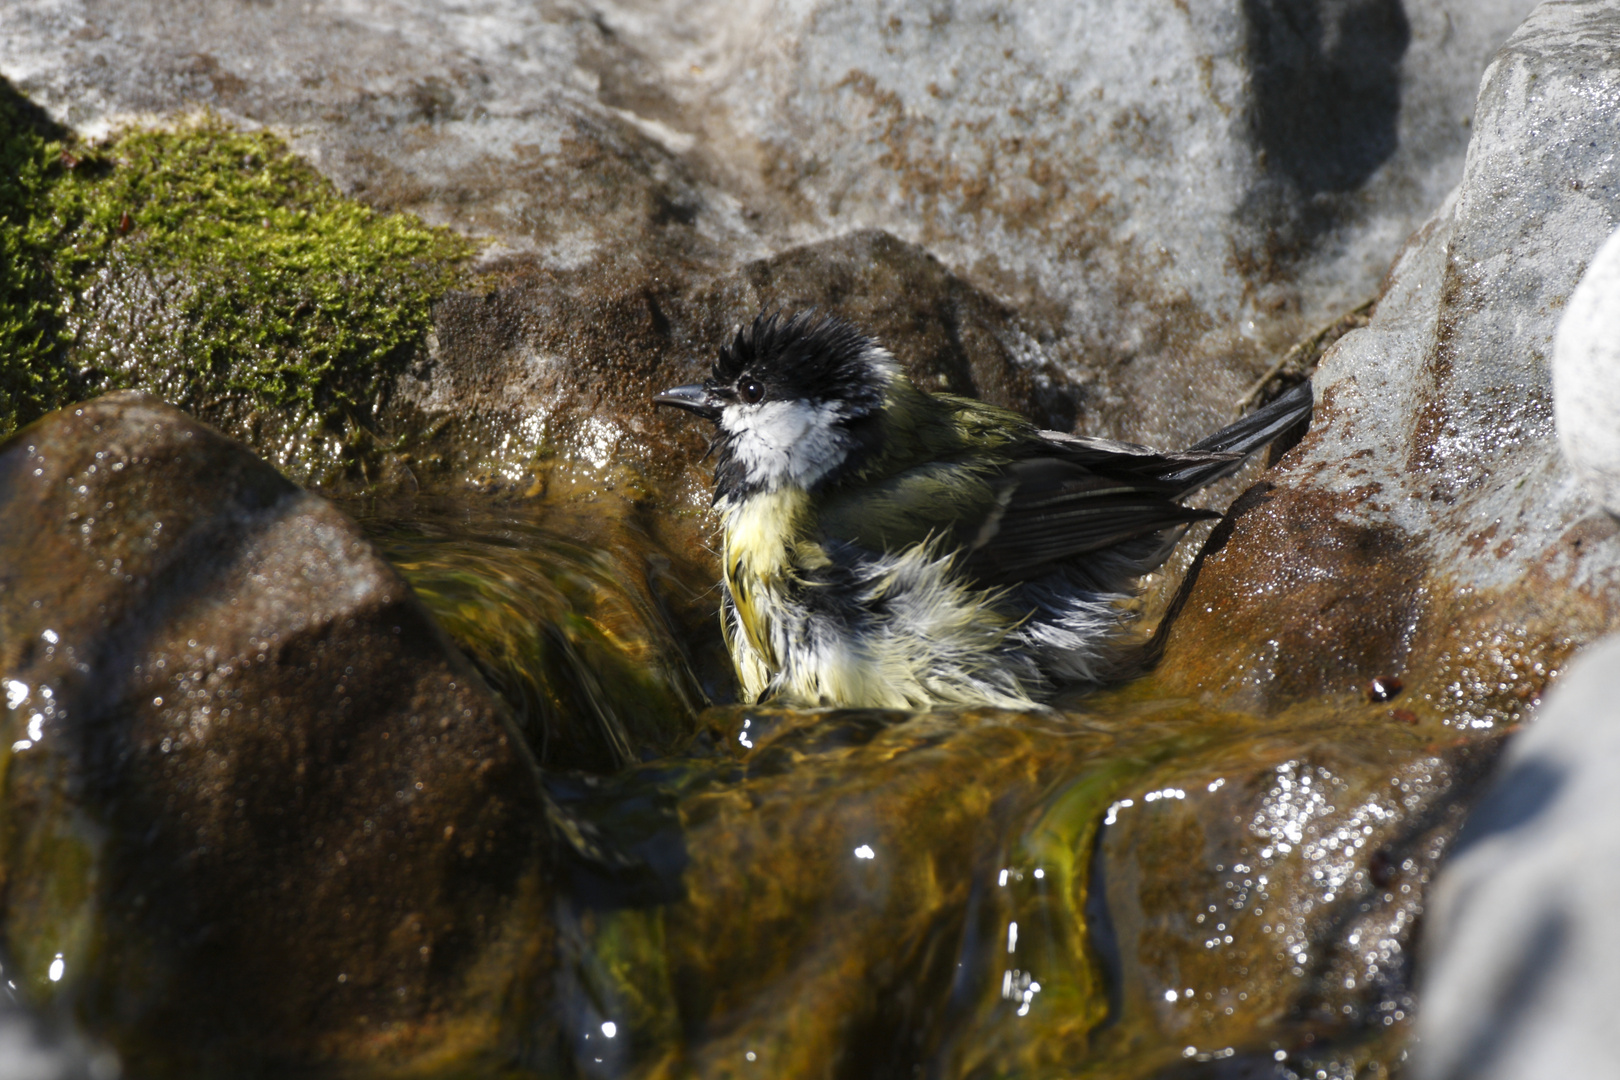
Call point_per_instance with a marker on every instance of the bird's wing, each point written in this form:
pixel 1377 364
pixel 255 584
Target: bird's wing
pixel 1060 497
pixel 1069 495
pixel 937 500
pixel 1050 509
pixel 1115 458
pixel 1010 520
pixel 1204 462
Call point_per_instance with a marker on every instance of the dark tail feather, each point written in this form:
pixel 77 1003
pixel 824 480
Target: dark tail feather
pixel 1243 438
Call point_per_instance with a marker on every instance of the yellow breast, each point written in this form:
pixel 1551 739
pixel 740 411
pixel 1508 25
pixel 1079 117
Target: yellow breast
pixel 766 544
pixel 941 646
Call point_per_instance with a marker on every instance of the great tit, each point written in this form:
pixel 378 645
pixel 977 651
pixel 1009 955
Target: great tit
pixel 886 547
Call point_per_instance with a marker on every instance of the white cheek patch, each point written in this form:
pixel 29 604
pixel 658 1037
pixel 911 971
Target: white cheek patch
pixel 785 442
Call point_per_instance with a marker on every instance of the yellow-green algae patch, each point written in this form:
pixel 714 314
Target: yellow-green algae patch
pixel 237 281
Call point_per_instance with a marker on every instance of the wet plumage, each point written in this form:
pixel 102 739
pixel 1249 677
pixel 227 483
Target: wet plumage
pixel 887 547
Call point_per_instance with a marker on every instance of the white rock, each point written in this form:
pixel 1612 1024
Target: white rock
pixel 1523 948
pixel 1586 378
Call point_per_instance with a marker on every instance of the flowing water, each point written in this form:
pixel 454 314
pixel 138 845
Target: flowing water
pixel 1137 886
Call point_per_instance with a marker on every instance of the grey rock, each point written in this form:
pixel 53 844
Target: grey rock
pixel 1428 525
pixel 1158 198
pixel 31 1051
pixel 1179 191
pixel 1586 378
pixel 1453 378
pixel 1522 951
pixel 468 113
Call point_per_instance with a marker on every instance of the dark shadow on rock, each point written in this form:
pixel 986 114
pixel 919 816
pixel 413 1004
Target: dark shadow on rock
pixel 1102 933
pixel 19 114
pixel 1242 1067
pixel 624 843
pixel 1326 107
pixel 1327 87
pixel 1516 799
pixel 1543 952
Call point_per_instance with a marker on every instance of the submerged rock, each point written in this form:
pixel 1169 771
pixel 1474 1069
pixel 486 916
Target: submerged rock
pixel 256 808
pixel 1129 888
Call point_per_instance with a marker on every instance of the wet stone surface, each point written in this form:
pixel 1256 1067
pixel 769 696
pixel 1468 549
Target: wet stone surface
pixel 587 627
pixel 1022 895
pixel 217 853
pixel 1139 208
pixel 242 766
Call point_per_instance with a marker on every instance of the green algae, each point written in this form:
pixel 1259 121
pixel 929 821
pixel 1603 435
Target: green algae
pixel 53 918
pixel 208 265
pixel 564 619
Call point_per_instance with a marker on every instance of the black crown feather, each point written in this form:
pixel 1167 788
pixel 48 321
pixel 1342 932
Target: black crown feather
pixel 807 356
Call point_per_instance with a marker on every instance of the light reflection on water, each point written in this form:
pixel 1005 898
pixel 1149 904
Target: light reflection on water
pixel 605 666
pixel 576 621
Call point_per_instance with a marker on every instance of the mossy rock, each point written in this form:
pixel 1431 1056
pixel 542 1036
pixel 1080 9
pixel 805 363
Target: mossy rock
pixel 214 268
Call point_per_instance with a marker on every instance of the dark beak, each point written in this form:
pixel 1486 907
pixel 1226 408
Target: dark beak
pixel 694 398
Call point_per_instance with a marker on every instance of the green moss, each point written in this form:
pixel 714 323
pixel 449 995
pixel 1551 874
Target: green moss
pixel 205 264
pixel 31 375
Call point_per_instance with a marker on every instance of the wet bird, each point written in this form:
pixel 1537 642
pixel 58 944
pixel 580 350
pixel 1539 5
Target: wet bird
pixel 891 548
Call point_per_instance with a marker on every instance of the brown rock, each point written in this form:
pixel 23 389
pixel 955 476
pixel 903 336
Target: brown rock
pixel 542 383
pixel 255 805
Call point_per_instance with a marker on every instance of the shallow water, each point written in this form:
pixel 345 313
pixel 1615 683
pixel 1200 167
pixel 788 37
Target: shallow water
pixel 1138 886
pixel 576 621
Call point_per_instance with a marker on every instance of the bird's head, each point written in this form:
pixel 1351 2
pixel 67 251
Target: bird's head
pixel 795 400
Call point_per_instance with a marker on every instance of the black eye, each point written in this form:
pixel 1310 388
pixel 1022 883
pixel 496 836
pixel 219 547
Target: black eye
pixel 751 391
